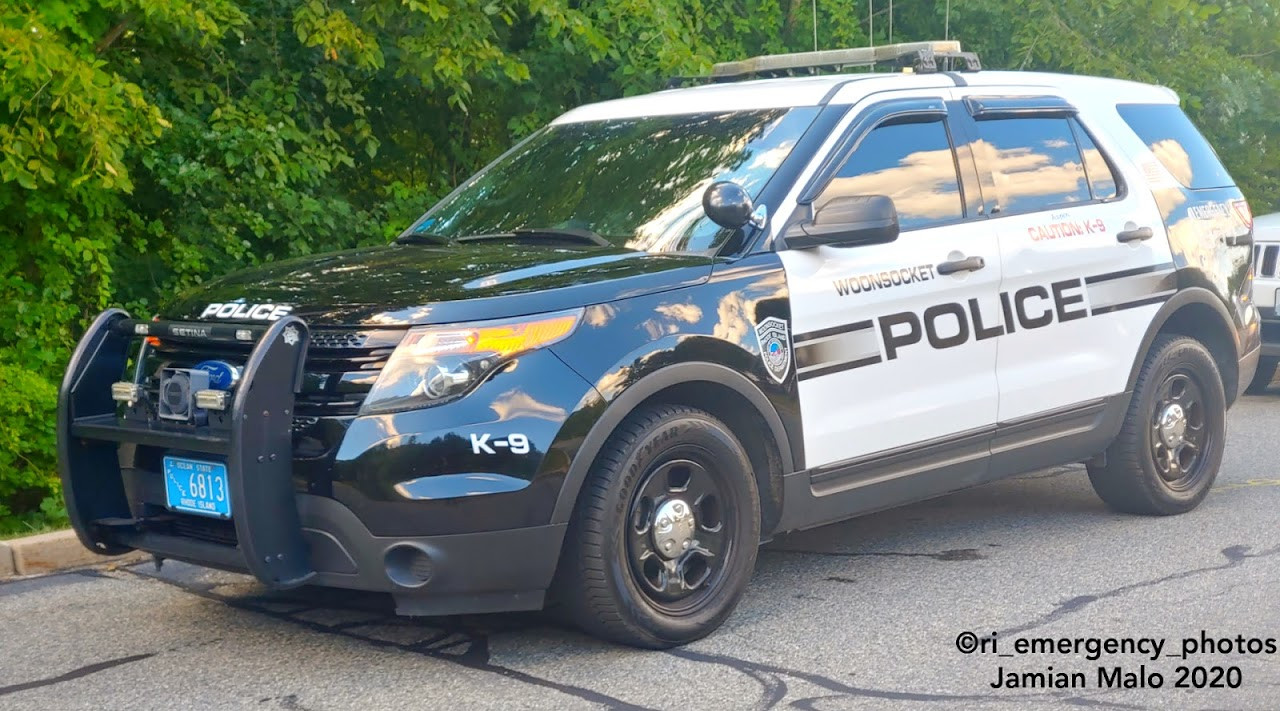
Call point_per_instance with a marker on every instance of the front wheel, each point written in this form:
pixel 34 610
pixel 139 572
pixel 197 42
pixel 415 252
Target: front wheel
pixel 665 533
pixel 1168 451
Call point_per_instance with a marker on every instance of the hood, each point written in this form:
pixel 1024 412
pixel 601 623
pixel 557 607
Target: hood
pixel 416 284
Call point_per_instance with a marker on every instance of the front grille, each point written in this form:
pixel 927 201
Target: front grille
pixel 1271 331
pixel 338 339
pixel 212 530
pixel 338 373
pixel 1265 258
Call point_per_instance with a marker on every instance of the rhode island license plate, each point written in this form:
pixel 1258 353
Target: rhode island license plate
pixel 197 487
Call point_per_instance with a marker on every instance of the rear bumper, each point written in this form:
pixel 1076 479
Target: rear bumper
pixel 281 537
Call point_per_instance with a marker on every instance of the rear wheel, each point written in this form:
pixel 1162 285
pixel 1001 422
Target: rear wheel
pixel 664 537
pixel 1263 376
pixel 1168 452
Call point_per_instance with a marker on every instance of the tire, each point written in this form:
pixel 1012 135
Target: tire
pixel 608 585
pixel 1263 376
pixel 1154 470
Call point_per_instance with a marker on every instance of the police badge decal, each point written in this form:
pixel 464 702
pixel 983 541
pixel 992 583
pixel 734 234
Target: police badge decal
pixel 775 347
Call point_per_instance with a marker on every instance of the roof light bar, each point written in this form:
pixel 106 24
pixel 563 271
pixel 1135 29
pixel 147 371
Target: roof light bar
pixel 920 56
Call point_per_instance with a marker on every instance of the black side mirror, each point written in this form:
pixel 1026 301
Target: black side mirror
pixel 727 204
pixel 847 221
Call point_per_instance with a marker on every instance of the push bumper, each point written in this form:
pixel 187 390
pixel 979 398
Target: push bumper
pixel 281 537
pixel 1270 338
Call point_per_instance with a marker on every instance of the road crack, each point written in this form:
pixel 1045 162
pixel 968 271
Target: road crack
pixel 75 673
pixel 472 643
pixel 948 556
pixel 1235 555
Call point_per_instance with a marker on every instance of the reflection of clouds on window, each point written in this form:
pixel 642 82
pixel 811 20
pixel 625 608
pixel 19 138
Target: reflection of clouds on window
pixel 1034 163
pixel 669 227
pixel 1020 174
pixel 911 163
pixel 922 185
pixel 1175 159
pixel 1101 179
pixel 773 157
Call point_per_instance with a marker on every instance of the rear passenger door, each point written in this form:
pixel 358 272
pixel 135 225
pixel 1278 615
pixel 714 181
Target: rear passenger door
pixel 894 373
pixel 1086 261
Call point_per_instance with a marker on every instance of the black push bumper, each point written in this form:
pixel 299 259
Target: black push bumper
pixel 253 437
pixel 281 537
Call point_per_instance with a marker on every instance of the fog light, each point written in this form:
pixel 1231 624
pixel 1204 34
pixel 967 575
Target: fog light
pixel 213 399
pixel 127 393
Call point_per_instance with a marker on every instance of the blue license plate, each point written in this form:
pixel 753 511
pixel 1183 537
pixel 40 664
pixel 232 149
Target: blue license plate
pixel 197 487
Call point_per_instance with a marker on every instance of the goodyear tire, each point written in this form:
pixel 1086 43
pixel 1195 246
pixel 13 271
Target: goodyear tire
pixel 1263 376
pixel 1168 452
pixel 664 537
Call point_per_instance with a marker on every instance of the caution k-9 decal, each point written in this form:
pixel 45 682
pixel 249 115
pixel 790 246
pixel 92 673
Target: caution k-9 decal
pixel 888 337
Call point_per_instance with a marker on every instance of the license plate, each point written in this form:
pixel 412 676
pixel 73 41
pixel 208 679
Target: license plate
pixel 197 487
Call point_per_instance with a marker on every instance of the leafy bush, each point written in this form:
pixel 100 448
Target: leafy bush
pixel 30 493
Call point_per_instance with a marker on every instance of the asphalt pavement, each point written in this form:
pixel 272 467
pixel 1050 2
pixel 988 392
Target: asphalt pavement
pixel 866 614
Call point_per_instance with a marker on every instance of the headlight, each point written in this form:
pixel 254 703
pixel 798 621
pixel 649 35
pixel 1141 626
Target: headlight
pixel 435 364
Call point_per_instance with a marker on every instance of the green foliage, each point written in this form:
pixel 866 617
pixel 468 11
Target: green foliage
pixel 146 145
pixel 29 489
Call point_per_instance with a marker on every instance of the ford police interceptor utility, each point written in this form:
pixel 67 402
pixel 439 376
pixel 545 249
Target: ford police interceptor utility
pixel 667 327
pixel 1266 296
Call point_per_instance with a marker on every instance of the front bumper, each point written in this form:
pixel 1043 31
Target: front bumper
pixel 1270 338
pixel 281 537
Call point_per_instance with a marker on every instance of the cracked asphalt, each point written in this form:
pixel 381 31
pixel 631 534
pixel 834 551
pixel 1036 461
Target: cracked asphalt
pixel 859 615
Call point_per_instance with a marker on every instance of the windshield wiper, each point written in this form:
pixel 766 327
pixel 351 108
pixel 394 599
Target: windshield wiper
pixel 422 238
pixel 568 234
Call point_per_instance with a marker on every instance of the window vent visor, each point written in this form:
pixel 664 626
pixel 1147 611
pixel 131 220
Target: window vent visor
pixel 983 108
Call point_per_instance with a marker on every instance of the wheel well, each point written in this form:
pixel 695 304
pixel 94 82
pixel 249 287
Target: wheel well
pixel 1201 322
pixel 730 407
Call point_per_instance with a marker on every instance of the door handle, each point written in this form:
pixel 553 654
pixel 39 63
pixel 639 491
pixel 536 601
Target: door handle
pixel 1134 234
pixel 969 264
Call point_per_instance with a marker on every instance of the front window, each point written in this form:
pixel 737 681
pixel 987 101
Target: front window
pixel 636 182
pixel 910 162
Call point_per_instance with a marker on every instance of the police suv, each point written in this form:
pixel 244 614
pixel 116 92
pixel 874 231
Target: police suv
pixel 665 328
pixel 1266 296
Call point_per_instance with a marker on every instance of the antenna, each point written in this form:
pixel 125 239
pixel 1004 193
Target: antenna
pixel 815 25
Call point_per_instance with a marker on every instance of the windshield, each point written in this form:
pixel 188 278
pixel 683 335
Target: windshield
pixel 636 182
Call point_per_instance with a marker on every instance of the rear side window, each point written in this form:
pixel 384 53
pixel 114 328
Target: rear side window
pixel 1177 144
pixel 1034 163
pixel 1102 181
pixel 910 162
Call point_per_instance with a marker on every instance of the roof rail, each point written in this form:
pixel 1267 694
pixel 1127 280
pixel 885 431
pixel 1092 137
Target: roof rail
pixel 920 57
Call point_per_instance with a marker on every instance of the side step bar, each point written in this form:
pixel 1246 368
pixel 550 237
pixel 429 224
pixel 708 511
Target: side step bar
pixel 256 442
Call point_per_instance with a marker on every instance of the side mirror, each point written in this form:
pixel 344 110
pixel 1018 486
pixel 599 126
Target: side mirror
pixel 727 204
pixel 847 221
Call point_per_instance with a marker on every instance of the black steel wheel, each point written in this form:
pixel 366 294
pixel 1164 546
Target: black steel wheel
pixel 1167 454
pixel 681 532
pixel 1178 432
pixel 664 537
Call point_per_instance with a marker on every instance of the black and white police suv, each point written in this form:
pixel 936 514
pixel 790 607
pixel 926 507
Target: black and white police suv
pixel 1266 295
pixel 667 327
